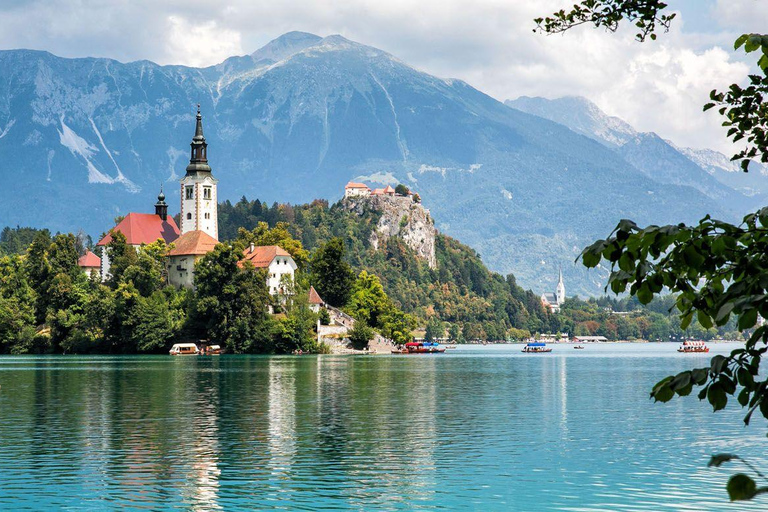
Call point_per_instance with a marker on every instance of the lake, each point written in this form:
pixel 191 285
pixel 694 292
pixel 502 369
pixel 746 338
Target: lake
pixel 478 428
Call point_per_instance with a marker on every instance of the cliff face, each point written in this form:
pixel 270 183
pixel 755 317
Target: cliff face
pixel 401 217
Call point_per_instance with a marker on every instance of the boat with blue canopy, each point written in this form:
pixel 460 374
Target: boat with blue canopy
pixel 536 347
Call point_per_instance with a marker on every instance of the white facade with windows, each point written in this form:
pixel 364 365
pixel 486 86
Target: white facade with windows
pixel 199 210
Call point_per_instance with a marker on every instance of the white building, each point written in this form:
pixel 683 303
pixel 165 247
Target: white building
pixel 278 263
pixel 356 190
pixel 553 301
pixel 199 197
pixel 188 249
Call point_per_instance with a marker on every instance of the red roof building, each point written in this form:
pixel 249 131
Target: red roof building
pixel 144 228
pixel 314 297
pixel 89 261
pixel 193 243
pixel 352 184
pixel 262 256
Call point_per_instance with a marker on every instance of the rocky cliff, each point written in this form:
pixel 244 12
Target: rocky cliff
pixel 400 217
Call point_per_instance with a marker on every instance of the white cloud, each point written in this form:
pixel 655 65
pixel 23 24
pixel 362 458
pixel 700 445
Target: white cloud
pixel 200 44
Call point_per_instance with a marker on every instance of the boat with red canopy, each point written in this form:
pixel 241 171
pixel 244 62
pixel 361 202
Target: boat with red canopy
pixel 693 347
pixel 420 347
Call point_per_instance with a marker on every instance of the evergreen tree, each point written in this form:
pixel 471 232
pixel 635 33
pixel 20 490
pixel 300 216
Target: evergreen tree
pixel 331 275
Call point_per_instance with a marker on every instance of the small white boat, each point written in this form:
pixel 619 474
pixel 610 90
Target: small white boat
pixel 184 349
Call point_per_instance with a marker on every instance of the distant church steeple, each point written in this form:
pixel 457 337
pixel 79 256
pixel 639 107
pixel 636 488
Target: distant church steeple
pixel 560 291
pixel 199 210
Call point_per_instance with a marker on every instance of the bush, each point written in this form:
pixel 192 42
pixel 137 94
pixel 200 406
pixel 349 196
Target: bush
pixel 360 335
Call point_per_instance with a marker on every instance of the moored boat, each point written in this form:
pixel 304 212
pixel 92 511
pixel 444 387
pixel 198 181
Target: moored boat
pixel 536 348
pixel 693 347
pixel 184 349
pixel 211 350
pixel 579 347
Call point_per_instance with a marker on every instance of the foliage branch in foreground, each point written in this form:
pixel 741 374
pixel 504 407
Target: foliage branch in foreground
pixel 718 269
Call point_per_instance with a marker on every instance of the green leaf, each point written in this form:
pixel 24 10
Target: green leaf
pixel 699 375
pixel 716 396
pixel 718 459
pixel 741 487
pixel 747 319
pixel 704 319
pixel 644 294
pixel 724 311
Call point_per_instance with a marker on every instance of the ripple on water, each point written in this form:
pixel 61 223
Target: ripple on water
pixel 482 428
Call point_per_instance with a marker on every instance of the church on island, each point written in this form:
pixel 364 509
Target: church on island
pixel 553 301
pixel 197 232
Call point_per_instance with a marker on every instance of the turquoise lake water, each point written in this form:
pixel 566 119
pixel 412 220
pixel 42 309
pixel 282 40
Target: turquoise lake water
pixel 478 428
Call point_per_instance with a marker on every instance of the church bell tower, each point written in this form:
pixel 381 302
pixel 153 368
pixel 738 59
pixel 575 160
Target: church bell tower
pixel 199 198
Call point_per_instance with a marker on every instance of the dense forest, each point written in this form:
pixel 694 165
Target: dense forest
pixel 47 304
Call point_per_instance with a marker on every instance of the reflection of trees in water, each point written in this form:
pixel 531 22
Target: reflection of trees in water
pixel 362 405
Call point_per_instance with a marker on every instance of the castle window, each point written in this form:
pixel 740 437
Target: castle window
pixel 207 215
pixel 189 216
pixel 190 192
pixel 206 192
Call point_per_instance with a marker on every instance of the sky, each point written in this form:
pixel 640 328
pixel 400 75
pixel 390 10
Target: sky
pixel 655 86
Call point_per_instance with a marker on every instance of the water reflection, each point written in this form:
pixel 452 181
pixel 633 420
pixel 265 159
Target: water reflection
pixel 488 430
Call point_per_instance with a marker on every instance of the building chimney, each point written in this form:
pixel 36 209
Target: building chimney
pixel 253 247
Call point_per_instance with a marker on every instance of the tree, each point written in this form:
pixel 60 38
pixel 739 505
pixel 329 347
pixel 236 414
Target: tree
pixel 716 269
pixel 402 190
pixel 435 330
pixel 232 301
pixel 331 275
pixel 121 256
pixel 369 302
pixel 360 335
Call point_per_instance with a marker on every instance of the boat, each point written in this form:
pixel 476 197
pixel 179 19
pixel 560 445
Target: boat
pixel 693 347
pixel 211 350
pixel 450 347
pixel 184 349
pixel 536 348
pixel 579 347
pixel 421 347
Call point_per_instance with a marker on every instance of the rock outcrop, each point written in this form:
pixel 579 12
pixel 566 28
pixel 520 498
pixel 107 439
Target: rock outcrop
pixel 400 217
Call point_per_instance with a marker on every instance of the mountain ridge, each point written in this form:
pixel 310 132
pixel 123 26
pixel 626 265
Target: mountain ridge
pixel 94 138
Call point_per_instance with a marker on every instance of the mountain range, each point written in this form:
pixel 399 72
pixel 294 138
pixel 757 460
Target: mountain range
pixel 85 140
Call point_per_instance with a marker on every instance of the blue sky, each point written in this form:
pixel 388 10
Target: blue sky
pixel 658 86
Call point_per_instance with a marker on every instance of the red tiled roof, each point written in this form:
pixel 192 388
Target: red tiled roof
pixel 389 190
pixel 263 255
pixel 144 228
pixel 314 297
pixel 352 184
pixel 377 191
pixel 89 260
pixel 193 243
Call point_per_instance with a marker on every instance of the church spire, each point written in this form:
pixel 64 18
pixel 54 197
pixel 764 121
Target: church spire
pixel 198 161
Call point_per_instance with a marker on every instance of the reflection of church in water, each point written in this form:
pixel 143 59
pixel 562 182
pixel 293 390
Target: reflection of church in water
pixel 553 301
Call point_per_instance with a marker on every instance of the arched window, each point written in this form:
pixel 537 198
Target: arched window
pixel 189 216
